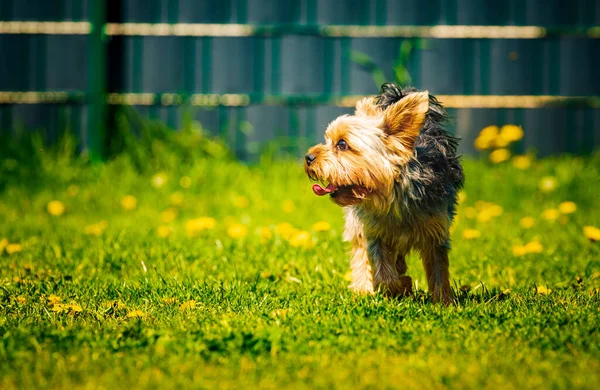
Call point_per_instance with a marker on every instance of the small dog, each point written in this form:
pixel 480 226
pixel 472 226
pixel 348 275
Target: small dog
pixel 395 170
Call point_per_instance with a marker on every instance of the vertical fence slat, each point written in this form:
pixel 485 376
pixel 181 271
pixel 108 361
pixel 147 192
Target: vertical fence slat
pixel 96 79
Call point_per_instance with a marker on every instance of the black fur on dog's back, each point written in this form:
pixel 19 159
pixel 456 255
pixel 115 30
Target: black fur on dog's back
pixel 435 173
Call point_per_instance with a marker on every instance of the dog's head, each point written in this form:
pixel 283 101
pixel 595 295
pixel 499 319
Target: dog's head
pixel 360 158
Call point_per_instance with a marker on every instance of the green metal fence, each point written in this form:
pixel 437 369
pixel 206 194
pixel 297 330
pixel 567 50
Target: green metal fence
pixel 255 70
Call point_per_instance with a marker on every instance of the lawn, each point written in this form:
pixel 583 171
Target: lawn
pixel 147 271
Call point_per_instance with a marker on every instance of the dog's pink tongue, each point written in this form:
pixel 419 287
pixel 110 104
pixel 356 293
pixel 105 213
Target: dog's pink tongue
pixel 317 189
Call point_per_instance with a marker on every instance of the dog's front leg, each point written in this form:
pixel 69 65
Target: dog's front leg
pixel 362 271
pixel 385 276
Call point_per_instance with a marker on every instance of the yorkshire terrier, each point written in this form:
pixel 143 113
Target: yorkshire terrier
pixel 394 169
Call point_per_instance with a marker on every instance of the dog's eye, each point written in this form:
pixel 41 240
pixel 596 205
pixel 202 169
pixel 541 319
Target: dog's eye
pixel 342 145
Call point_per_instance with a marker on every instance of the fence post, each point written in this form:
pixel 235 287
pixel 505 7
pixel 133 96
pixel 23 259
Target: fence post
pixel 96 80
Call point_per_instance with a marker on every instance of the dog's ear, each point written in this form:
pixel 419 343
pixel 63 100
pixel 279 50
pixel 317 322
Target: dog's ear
pixel 367 107
pixel 403 120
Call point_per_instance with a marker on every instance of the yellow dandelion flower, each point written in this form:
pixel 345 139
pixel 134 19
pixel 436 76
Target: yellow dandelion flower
pixel 527 222
pixel 189 305
pixel 534 247
pixel 470 234
pixel 321 226
pixel 3 244
pixel 237 230
pixel 567 207
pixel 72 190
pixel 265 234
pixel 159 180
pixel 521 162
pixel 185 182
pixel 550 214
pixel 500 155
pixel 485 216
pixel 136 314
pixel 21 299
pixel 542 290
pixel 495 210
pixel 348 276
pixel 511 133
pixel 285 230
pixel 176 198
pixel 56 208
pixel 487 138
pixel 197 225
pixel 13 248
pixel 129 202
pixel 53 299
pixel 500 142
pixel 169 215
pixel 241 202
pixel 301 239
pixel 288 206
pixel 519 250
pixel 95 229
pixel 164 231
pixel 461 197
pixel 490 131
pixel 548 184
pixel 592 233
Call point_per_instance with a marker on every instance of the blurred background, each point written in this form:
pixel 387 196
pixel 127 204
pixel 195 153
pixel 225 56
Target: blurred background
pixel 257 71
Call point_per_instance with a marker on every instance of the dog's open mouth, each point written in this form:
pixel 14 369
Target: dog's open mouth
pixel 333 190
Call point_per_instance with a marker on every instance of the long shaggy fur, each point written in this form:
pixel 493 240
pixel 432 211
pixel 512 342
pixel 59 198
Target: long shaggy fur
pixel 394 169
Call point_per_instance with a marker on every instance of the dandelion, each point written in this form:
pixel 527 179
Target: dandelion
pixel 534 247
pixel 542 290
pixel 164 231
pixel 285 230
pixel 189 305
pixel 71 308
pixel 241 202
pixel 548 184
pixel 13 248
pixel 185 182
pixel 301 239
pixel 288 206
pixel 521 162
pixel 461 197
pixel 55 208
pixel 129 202
pixel 567 207
pixel 54 299
pixel 176 198
pixel 592 233
pixel 3 244
pixel 470 234
pixel 265 234
pixel 527 222
pixel 95 229
pixel 237 231
pixel 159 180
pixel 197 225
pixel 487 138
pixel 136 314
pixel 499 155
pixel 321 226
pixel 550 214
pixel 21 299
pixel 72 190
pixel 519 250
pixel 169 215
pixel 511 133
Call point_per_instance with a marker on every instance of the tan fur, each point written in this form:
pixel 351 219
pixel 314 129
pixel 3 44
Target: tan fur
pixel 380 144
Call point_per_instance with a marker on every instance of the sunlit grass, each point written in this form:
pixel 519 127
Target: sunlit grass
pixel 216 273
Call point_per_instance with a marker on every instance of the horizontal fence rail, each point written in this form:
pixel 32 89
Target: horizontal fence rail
pixel 288 71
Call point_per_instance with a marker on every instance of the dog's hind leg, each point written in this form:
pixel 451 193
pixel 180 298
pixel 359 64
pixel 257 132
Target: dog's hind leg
pixel 436 263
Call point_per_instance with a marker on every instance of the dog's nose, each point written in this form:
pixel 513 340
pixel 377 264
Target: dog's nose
pixel 310 158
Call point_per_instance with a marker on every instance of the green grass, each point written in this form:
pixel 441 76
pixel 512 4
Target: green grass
pixel 255 311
